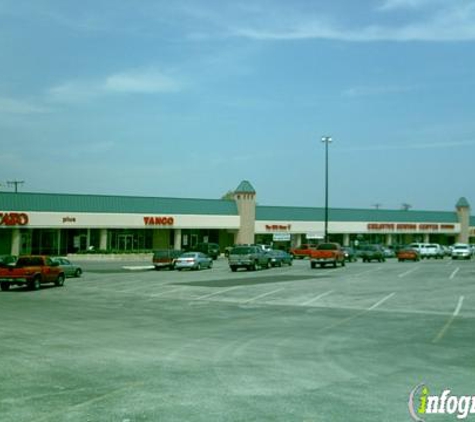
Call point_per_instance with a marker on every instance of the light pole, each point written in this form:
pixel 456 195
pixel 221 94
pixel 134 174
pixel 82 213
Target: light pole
pixel 326 140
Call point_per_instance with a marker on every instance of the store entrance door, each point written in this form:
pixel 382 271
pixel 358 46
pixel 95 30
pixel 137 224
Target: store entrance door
pixel 125 242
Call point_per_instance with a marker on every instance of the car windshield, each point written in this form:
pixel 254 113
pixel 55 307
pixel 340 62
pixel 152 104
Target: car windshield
pixel 189 255
pixel 243 250
pixel 327 247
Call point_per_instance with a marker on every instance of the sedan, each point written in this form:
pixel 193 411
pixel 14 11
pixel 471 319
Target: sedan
pixel 278 258
pixel 193 261
pixel 461 251
pixel 70 269
pixel 407 254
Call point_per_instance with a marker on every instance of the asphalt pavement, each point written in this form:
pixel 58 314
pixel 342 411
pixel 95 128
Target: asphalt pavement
pixel 284 344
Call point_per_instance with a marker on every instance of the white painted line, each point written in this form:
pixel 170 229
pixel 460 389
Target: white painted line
pixel 459 306
pixel 216 293
pixel 308 302
pixel 454 273
pixel 261 296
pixel 384 299
pixel 408 272
pixel 164 293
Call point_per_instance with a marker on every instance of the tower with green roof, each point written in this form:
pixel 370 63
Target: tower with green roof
pixel 245 197
pixel 463 214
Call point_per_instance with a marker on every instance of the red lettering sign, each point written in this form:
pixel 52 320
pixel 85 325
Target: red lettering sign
pixel 159 221
pixel 278 227
pixel 13 219
pixel 380 226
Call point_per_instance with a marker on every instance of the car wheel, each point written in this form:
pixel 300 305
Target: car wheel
pixel 343 263
pixel 59 281
pixel 198 267
pixel 78 273
pixel 5 287
pixel 312 265
pixel 210 265
pixel 233 268
pixel 34 284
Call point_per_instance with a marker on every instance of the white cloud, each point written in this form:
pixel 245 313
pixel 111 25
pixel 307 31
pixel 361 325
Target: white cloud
pixel 132 82
pixel 13 106
pixel 147 82
pixel 369 91
pixel 453 21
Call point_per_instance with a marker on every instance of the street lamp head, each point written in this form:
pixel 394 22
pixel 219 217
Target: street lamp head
pixel 326 138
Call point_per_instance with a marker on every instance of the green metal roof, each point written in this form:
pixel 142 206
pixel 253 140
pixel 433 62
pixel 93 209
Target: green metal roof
pixel 272 213
pixel 462 202
pixel 245 187
pixel 50 202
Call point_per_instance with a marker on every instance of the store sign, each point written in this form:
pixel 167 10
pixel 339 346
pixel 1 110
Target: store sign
pixel 281 237
pixel 13 219
pixel 410 227
pixel 278 227
pixel 159 221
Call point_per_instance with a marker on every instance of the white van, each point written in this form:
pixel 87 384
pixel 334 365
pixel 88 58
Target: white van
pixel 428 250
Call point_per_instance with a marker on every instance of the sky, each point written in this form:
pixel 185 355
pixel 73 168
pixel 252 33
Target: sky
pixel 188 98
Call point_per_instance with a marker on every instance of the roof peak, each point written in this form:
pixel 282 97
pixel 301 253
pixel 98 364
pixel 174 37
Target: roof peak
pixel 245 187
pixel 462 203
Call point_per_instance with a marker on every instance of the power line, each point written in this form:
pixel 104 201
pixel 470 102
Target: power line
pixel 15 183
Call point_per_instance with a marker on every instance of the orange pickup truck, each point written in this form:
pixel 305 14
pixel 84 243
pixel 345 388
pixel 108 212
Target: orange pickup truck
pixel 327 253
pixel 302 251
pixel 32 271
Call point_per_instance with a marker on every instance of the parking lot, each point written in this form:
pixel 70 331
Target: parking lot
pixel 284 344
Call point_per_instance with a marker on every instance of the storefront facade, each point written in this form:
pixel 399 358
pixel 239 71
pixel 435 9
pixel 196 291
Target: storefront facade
pixel 61 224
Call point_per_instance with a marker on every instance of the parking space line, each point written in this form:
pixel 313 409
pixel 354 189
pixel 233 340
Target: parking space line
pixel 454 273
pixel 216 293
pixel 384 299
pixel 308 302
pixel 164 293
pixel 447 325
pixel 408 272
pixel 261 296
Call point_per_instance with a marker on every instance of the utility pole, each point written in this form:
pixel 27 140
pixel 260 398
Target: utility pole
pixel 326 140
pixel 15 183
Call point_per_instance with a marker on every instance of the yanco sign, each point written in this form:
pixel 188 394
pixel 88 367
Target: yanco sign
pixel 13 219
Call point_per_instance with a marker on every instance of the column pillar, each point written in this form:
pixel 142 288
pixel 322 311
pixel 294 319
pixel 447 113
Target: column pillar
pixel 16 242
pixel 177 239
pixel 346 239
pixel 103 239
pixel 389 239
pixel 426 238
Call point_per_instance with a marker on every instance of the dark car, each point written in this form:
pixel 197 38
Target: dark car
pixel 249 257
pixel 370 253
pixel 350 254
pixel 210 249
pixel 165 258
pixel 70 269
pixel 279 258
pixel 7 259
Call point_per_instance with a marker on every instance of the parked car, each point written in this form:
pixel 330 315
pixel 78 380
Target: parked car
pixel 350 254
pixel 249 257
pixel 7 259
pixel 370 253
pixel 279 258
pixel 327 253
pixel 210 249
pixel 302 251
pixel 461 251
pixel 408 254
pixel 165 258
pixel 388 252
pixel 70 269
pixel 193 261
pixel 434 250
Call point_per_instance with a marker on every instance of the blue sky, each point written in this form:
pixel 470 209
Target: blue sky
pixel 188 98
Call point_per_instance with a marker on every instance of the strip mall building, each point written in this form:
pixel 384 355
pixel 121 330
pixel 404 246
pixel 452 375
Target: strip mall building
pixel 62 223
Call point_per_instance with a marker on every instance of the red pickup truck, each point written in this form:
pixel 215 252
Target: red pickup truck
pixel 302 251
pixel 32 271
pixel 327 253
